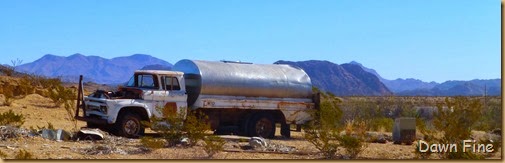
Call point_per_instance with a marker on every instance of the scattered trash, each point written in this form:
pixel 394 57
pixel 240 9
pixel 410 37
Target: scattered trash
pixel 58 135
pixel 261 144
pixel 7 132
pixel 62 135
pixel 257 143
pixel 48 134
pixel 89 134
pixel 185 141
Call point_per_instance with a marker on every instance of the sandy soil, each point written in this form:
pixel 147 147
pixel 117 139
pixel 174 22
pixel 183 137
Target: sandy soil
pixel 40 111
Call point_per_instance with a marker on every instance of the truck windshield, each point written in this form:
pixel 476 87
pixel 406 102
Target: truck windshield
pixel 131 82
pixel 145 81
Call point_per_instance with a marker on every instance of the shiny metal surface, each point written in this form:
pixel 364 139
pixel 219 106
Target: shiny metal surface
pixel 242 79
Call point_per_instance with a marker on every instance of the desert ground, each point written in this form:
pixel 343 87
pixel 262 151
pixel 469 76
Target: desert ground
pixel 39 111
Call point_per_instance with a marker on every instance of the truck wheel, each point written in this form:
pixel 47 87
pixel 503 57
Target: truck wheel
pixel 285 130
pixel 129 126
pixel 262 125
pixel 245 125
pixel 92 125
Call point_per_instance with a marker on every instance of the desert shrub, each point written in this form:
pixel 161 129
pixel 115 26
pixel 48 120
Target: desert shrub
pixel 383 123
pixel 453 122
pixel 23 155
pixel 11 118
pixel 59 95
pixel 323 130
pixel 174 126
pixel 49 126
pixel 195 126
pixel 152 143
pixel 47 82
pixel 352 145
pixel 26 86
pixel 69 105
pixel 354 138
pixel 8 92
pixel 170 126
pixel 213 145
pixel 491 114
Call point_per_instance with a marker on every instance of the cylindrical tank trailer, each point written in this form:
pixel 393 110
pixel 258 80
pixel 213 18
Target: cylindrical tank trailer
pixel 243 79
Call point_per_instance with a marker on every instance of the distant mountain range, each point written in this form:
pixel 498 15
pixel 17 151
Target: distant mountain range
pixel 416 87
pixel 349 79
pixel 94 68
pixel 341 80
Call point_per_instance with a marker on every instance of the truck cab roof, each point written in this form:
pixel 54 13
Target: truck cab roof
pixel 161 72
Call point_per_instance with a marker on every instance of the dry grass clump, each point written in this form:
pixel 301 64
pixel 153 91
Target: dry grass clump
pixel 11 118
pixel 152 143
pixel 24 155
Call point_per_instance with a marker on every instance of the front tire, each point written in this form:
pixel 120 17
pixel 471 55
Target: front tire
pixel 262 125
pixel 129 126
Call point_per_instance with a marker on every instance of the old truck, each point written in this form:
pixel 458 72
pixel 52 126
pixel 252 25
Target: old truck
pixel 243 98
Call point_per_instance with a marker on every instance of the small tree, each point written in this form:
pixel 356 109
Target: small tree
pixel 354 138
pixel 10 70
pixel 195 126
pixel 173 125
pixel 213 145
pixel 453 122
pixel 323 131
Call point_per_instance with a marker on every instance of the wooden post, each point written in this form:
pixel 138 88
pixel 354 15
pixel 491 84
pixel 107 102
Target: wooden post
pixel 79 97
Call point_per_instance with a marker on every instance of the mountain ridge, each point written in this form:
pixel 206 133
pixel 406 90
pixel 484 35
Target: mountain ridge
pixel 98 69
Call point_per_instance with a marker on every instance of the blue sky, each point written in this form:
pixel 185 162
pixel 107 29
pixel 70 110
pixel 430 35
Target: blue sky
pixel 432 40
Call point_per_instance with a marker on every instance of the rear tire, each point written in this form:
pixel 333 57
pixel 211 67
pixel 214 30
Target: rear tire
pixel 285 130
pixel 262 125
pixel 129 126
pixel 92 125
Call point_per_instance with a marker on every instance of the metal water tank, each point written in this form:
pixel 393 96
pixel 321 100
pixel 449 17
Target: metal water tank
pixel 243 79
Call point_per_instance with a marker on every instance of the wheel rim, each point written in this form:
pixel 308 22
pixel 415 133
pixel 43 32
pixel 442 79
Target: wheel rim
pixel 131 127
pixel 263 127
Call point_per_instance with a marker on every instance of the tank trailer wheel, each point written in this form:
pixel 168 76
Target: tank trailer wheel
pixel 92 125
pixel 285 130
pixel 262 125
pixel 129 126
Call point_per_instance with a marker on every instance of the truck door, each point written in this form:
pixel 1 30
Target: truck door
pixel 175 101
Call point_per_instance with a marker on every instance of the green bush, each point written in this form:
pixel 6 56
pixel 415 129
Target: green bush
pixel 383 123
pixel 60 95
pixel 213 145
pixel 352 144
pixel 173 125
pixel 170 125
pixel 453 122
pixel 354 137
pixel 11 118
pixel 323 131
pixel 195 126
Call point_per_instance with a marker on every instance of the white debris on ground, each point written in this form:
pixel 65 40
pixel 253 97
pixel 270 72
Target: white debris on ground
pixel 261 144
pixel 111 145
pixel 8 132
